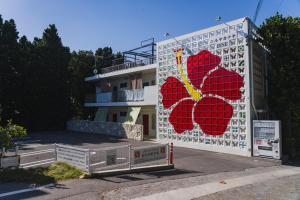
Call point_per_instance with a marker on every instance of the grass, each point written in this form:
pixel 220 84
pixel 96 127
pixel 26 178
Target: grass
pixel 55 172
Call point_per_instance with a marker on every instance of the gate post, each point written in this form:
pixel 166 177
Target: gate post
pixel 55 151
pixel 171 154
pixel 89 161
pixel 17 150
pixel 129 157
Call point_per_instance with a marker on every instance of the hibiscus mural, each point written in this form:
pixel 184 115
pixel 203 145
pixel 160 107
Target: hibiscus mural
pixel 203 96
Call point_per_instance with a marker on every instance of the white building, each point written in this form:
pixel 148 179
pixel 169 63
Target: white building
pixel 202 90
pixel 127 93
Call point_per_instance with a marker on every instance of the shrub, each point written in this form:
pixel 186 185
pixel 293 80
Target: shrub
pixel 9 132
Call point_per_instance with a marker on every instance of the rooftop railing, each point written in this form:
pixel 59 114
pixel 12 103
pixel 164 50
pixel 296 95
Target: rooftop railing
pixel 128 65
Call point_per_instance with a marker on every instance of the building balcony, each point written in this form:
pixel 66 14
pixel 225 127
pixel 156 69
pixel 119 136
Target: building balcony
pixel 125 69
pixel 146 96
pixel 128 65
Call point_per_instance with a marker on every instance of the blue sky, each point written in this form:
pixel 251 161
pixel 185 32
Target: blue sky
pixel 122 24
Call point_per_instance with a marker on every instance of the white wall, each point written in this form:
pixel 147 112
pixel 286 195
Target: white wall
pixel 145 110
pixel 150 94
pixel 148 111
pixel 231 46
pixel 116 81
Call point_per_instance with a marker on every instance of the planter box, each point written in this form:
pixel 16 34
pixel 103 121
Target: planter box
pixel 10 161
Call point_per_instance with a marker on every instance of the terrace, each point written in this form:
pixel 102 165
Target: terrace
pixel 140 56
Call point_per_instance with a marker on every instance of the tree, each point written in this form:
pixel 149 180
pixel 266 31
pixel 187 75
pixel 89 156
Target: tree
pixel 104 57
pixel 281 36
pixel 9 132
pixel 52 101
pixel 41 83
pixel 81 65
pixel 8 65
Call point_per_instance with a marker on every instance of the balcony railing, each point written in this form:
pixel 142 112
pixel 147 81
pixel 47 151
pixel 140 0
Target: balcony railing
pixel 120 96
pixel 130 95
pixel 128 65
pixel 148 95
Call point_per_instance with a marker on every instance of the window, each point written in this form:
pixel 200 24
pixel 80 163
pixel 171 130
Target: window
pixel 153 82
pixel 123 85
pixel 145 84
pixel 123 114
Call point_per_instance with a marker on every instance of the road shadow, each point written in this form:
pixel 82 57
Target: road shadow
pixel 175 173
pixel 31 194
pixel 293 163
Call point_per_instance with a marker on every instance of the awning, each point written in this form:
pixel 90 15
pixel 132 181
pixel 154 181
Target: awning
pixel 101 114
pixel 132 115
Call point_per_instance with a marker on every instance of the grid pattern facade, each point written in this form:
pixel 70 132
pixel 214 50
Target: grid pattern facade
pixel 229 45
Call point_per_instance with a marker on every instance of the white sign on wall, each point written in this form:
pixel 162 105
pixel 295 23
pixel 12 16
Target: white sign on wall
pixel 74 156
pixel 147 154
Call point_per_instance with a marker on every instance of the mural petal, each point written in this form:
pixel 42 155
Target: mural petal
pixel 223 83
pixel 213 115
pixel 172 91
pixel 181 116
pixel 199 65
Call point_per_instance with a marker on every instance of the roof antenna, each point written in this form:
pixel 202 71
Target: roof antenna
pixel 257 10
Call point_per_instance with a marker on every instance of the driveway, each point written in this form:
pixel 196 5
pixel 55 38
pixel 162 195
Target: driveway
pixel 188 163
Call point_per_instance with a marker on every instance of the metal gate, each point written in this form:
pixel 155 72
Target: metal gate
pixel 103 159
pixel 128 157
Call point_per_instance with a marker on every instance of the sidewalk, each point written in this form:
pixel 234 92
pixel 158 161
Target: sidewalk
pixel 257 183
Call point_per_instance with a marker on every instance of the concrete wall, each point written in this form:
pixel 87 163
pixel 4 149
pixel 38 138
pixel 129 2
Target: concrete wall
pixel 150 94
pixel 148 110
pixel 228 42
pixel 129 131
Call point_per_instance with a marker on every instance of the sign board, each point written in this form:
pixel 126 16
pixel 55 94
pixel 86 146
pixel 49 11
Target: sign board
pixel 111 157
pixel 9 161
pixel 147 154
pixel 266 138
pixel 74 156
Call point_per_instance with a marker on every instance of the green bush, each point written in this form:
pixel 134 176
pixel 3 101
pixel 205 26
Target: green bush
pixel 9 132
pixel 62 171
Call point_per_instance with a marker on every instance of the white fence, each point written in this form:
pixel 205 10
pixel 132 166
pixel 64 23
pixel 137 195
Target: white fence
pixel 103 159
pixel 78 157
pixel 113 158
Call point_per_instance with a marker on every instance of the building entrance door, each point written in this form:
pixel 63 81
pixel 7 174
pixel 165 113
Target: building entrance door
pixel 115 117
pixel 146 124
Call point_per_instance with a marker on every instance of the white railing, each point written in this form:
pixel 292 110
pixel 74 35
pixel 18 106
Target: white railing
pixel 128 65
pixel 148 94
pixel 131 95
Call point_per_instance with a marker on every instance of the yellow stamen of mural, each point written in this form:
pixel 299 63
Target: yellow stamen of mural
pixel 195 94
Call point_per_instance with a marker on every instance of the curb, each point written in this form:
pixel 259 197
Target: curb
pixel 278 162
pixel 130 171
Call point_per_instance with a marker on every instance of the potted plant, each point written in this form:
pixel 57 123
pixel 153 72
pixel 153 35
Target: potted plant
pixel 7 134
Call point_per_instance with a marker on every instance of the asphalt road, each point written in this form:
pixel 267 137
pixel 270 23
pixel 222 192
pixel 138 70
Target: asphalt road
pixel 188 163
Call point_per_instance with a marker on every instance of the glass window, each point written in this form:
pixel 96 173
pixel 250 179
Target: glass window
pixel 123 85
pixel 123 114
pixel 145 84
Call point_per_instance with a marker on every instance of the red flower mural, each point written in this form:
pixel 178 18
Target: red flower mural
pixel 202 96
